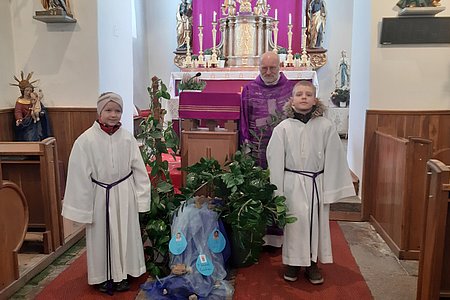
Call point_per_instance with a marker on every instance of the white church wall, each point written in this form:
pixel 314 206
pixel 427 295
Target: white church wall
pixel 409 77
pixel 360 84
pixel 162 41
pixel 8 94
pixel 140 55
pixel 62 55
pixel 115 52
pixel 338 37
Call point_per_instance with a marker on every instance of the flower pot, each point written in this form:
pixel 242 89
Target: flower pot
pixel 282 57
pixel 221 63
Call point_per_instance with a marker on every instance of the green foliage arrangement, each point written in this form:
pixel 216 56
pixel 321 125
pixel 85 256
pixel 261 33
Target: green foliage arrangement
pixel 155 224
pixel 191 82
pixel 249 205
pixel 207 51
pixel 340 96
pixel 297 55
pixel 282 50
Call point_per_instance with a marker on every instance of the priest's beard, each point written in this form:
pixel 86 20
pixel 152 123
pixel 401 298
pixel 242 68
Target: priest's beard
pixel 272 82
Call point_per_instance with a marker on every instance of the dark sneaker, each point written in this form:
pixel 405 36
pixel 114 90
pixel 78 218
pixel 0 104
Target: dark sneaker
pixel 291 273
pixel 122 286
pixel 313 274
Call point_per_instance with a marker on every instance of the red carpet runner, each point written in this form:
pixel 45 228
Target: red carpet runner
pixel 342 278
pixel 72 284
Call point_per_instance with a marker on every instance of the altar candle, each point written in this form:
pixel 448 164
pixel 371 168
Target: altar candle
pixel 214 16
pixel 276 13
pixel 200 22
pixel 290 19
pixel 304 21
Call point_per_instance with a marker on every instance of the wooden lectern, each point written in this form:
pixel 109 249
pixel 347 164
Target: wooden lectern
pixel 219 139
pixel 33 167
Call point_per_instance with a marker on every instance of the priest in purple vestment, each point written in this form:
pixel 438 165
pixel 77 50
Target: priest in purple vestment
pixel 263 98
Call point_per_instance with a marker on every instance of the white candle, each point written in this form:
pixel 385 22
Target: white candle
pixel 276 14
pixel 304 21
pixel 200 22
pixel 214 16
pixel 290 19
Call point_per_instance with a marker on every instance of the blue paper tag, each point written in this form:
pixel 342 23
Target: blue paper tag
pixel 177 243
pixel 204 265
pixel 216 241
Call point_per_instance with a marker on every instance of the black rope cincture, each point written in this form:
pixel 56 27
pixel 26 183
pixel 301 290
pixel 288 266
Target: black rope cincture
pixel 108 187
pixel 315 192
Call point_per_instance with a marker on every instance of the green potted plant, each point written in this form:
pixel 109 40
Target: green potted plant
pixel 340 97
pixel 222 60
pixel 249 205
pixel 155 224
pixel 282 53
pixel 207 54
pixel 191 82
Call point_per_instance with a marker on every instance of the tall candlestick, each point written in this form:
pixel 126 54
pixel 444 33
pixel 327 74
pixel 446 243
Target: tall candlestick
pixel 290 58
pixel 214 16
pixel 213 60
pixel 201 62
pixel 200 21
pixel 275 36
pixel 290 18
pixel 276 14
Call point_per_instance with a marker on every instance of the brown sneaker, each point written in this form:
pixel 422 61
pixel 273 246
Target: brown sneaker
pixel 313 274
pixel 291 273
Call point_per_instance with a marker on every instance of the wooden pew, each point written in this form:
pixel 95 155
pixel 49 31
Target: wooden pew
pixel 397 202
pixel 13 227
pixel 32 166
pixel 434 265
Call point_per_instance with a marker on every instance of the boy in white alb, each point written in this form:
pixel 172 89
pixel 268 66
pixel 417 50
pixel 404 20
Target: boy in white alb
pixel 308 165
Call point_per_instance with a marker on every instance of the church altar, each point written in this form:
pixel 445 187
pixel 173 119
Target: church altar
pixel 226 80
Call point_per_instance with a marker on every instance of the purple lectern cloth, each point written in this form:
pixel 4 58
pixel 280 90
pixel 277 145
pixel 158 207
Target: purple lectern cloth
pixel 212 106
pixel 259 101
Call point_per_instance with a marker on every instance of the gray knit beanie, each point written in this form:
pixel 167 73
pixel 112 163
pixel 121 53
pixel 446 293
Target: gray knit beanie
pixel 105 98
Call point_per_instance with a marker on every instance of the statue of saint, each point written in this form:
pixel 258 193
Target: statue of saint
pixel 245 6
pixel 317 19
pixel 53 4
pixel 343 74
pixel 418 3
pixel 31 120
pixel 184 24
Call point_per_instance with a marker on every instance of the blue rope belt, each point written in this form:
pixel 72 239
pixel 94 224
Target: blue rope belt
pixel 108 187
pixel 315 192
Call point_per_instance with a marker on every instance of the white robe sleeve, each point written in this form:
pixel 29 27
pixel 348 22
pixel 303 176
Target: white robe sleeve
pixel 337 181
pixel 79 195
pixel 276 160
pixel 141 180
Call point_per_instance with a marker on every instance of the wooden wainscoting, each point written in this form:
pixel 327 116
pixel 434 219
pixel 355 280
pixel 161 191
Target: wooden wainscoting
pixel 6 123
pixel 67 124
pixel 431 125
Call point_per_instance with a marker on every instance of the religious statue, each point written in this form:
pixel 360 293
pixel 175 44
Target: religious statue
pixel 31 121
pixel 316 13
pixel 55 4
pixel 261 8
pixel 229 8
pixel 184 24
pixel 418 3
pixel 245 6
pixel 343 75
